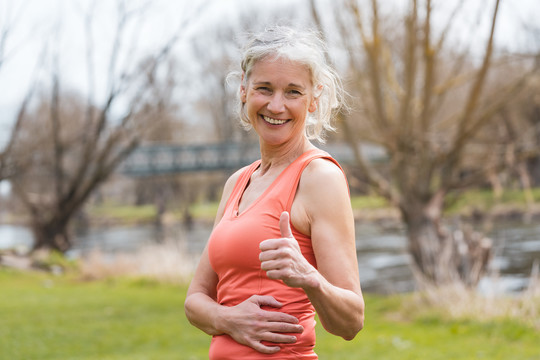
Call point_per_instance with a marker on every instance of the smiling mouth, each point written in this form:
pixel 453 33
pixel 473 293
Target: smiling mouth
pixel 274 121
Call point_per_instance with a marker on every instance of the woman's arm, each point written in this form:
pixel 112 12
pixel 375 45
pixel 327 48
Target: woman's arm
pixel 200 304
pixel 247 323
pixel 322 210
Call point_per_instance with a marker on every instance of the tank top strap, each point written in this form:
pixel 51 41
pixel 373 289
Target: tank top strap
pixel 294 172
pixel 240 185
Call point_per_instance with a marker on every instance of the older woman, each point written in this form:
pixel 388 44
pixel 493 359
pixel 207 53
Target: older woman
pixel 283 243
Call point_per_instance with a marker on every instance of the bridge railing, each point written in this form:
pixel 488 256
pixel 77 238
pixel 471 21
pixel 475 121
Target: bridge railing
pixel 166 159
pixel 157 159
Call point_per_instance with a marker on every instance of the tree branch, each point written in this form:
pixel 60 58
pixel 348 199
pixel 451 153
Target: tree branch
pixel 463 133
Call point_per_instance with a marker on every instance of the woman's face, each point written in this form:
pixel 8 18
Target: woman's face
pixel 278 96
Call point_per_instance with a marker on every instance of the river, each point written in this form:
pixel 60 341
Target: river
pixel 382 257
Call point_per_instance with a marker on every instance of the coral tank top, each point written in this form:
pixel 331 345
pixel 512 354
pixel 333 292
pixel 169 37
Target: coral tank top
pixel 234 255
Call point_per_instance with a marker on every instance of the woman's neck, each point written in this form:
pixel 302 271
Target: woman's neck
pixel 280 156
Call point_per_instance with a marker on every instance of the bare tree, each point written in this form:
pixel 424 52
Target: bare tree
pixel 82 142
pixel 218 98
pixel 424 100
pixel 508 142
pixel 9 164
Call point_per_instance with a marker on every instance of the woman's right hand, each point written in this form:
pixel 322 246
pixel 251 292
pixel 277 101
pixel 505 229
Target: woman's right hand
pixel 249 324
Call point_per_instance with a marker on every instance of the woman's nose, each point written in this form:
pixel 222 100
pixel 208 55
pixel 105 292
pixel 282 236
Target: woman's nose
pixel 276 104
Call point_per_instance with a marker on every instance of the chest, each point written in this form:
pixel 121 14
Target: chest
pixel 259 187
pixel 256 187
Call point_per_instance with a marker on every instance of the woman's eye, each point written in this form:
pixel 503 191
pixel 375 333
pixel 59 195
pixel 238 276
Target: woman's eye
pixel 295 93
pixel 264 89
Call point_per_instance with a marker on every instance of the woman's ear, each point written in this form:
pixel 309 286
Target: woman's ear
pixel 313 105
pixel 242 93
pixel 242 89
pixel 315 101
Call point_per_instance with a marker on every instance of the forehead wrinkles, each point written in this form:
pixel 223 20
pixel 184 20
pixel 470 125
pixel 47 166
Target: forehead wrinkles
pixel 268 83
pixel 293 74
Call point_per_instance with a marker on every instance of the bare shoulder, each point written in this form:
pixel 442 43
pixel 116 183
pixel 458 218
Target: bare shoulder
pixel 231 181
pixel 322 197
pixel 323 174
pixel 229 185
pixel 324 191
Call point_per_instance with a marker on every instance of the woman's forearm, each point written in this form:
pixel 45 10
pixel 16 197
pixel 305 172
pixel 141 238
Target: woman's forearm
pixel 340 311
pixel 202 312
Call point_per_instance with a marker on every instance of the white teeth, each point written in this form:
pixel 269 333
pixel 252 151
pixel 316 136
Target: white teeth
pixel 274 121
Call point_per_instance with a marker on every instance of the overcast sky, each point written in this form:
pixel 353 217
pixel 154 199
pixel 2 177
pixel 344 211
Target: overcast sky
pixel 61 22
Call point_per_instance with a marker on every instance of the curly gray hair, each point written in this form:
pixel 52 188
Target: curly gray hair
pixel 307 48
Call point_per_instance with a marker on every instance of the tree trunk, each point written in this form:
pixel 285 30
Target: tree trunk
pixel 53 235
pixel 440 256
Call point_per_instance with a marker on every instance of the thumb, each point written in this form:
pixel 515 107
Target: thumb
pixel 285 225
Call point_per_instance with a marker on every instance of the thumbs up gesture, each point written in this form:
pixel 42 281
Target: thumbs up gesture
pixel 282 259
pixel 285 225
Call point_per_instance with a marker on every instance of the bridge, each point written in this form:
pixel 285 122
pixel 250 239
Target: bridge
pixel 160 159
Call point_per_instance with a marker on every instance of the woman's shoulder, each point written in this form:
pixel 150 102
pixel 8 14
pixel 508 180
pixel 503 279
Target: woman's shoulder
pixel 322 193
pixel 235 176
pixel 326 178
pixel 233 179
pixel 322 170
pixel 227 192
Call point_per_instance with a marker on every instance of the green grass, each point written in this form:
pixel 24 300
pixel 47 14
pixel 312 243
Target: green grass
pixel 204 210
pixel 484 200
pixel 123 213
pixel 368 202
pixel 59 317
pixel 45 317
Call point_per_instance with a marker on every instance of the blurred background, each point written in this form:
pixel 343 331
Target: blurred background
pixel 118 130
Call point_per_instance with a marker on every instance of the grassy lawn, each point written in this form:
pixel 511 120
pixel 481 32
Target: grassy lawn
pixel 484 200
pixel 61 317
pixel 123 213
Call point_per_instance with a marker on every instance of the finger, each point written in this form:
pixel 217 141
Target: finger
pixel 267 255
pixel 285 225
pixel 278 338
pixel 269 244
pixel 275 318
pixel 267 300
pixel 277 274
pixel 267 265
pixel 263 348
pixel 285 328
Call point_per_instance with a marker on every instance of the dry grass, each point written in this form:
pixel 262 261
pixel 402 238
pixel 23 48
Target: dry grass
pixel 456 301
pixel 167 262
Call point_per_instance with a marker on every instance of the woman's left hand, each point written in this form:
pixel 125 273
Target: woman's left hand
pixel 282 259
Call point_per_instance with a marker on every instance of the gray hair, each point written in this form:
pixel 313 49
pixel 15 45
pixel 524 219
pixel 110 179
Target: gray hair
pixel 307 48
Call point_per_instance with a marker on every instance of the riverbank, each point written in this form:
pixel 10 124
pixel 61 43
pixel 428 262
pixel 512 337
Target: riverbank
pixel 139 318
pixel 472 206
pixel 384 264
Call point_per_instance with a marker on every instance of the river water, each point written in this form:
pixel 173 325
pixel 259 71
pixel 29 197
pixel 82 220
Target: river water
pixel 383 260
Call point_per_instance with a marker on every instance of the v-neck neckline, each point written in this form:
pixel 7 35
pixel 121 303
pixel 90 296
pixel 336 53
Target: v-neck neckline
pixel 236 209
